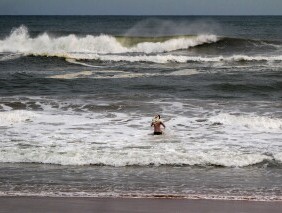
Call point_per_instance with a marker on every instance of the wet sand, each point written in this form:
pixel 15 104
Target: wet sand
pixel 130 205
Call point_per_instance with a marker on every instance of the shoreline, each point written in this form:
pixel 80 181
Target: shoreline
pixel 211 197
pixel 165 205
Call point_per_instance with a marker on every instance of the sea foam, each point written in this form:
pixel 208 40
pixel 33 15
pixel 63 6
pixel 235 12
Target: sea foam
pixel 258 122
pixel 16 116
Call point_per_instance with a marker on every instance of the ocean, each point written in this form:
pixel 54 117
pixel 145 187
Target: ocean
pixel 78 94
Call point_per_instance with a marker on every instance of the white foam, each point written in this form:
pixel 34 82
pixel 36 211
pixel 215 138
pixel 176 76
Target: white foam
pixel 118 137
pixel 16 116
pixel 81 74
pixel 19 41
pixel 260 122
pixel 73 61
pixel 167 58
pixel 278 157
pixel 110 74
pixel 140 58
pixel 77 155
pixel 98 74
pixel 130 194
pixel 254 58
pixel 184 72
pixel 174 44
pixel 234 159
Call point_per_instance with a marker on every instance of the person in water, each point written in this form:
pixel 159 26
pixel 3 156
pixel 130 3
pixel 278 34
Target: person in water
pixel 157 123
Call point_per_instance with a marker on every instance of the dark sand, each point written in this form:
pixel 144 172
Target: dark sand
pixel 130 205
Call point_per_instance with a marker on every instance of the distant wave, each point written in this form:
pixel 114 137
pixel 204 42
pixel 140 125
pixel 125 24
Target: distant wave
pixel 186 40
pixel 19 41
pixel 125 48
pixel 243 44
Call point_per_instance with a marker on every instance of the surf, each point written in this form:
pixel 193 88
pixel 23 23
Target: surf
pixel 19 41
pixel 156 49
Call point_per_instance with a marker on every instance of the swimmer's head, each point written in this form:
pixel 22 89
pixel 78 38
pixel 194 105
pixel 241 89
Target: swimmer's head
pixel 157 118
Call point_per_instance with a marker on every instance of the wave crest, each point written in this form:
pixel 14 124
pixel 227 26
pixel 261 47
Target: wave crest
pixel 75 156
pixel 20 41
pixel 120 48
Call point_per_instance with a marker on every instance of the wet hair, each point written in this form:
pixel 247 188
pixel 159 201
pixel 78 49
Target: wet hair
pixel 159 116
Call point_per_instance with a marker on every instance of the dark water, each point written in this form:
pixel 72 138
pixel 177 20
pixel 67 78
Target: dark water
pixel 77 95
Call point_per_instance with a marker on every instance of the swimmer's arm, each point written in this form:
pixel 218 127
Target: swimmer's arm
pixel 162 124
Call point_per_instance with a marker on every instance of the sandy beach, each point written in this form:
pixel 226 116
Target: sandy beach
pixel 55 204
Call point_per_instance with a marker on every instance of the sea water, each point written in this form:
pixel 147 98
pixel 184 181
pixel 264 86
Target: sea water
pixel 78 93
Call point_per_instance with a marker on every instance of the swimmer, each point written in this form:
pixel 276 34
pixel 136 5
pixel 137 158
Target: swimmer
pixel 157 123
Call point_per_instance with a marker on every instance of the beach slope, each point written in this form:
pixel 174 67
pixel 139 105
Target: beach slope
pixel 123 205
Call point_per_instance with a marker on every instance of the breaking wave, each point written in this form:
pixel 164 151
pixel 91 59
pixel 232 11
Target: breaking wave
pixel 126 48
pixel 19 41
pixel 80 156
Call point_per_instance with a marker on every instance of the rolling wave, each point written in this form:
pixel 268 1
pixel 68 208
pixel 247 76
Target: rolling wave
pixel 131 41
pixel 128 48
pixel 19 41
pixel 242 44
pixel 78 156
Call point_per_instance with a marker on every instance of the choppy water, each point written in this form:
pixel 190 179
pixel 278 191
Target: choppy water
pixel 77 95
